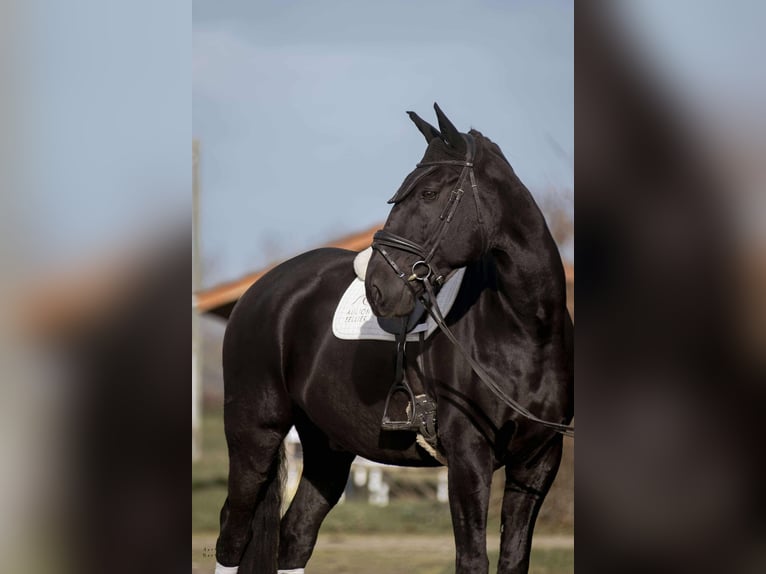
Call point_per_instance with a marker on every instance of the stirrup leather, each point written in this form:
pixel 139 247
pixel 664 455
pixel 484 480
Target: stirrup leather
pixel 420 410
pixel 400 385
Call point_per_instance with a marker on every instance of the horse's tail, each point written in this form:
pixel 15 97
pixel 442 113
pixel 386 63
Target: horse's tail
pixel 261 553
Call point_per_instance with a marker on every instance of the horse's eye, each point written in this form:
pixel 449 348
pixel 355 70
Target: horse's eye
pixel 429 194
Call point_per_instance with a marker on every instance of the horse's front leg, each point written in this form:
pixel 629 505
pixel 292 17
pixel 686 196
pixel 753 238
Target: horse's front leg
pixel 525 488
pixel 470 478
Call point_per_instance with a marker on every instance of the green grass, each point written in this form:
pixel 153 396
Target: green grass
pixel 417 517
pixel 403 517
pixel 387 554
pixel 206 505
pixel 542 561
pixel 213 466
pixel 408 523
pixel 411 516
pixel 370 561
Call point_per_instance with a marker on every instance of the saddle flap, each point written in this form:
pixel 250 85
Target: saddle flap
pixel 354 320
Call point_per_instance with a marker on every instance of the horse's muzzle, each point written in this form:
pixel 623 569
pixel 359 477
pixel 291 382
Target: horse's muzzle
pixel 387 294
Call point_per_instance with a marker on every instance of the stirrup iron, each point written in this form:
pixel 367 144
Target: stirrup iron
pixel 409 422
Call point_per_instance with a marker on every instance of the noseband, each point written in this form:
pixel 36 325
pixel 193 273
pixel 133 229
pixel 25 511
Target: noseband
pixel 423 269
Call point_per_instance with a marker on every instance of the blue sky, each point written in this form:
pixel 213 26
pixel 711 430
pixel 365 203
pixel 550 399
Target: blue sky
pixel 299 108
pixel 104 114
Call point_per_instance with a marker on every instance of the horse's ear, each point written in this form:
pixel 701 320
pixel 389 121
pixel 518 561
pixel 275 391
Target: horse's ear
pixel 449 132
pixel 425 128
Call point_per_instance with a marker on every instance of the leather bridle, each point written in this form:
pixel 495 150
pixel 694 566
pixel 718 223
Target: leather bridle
pixel 424 272
pixel 423 269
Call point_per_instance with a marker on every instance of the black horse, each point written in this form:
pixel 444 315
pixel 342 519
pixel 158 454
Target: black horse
pixel 283 366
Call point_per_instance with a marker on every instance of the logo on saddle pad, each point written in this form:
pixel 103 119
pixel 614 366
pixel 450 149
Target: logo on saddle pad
pixel 354 319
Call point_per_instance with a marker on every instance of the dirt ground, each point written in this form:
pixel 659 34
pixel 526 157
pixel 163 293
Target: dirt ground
pixel 396 554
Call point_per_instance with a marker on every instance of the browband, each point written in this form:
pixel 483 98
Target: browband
pixel 424 168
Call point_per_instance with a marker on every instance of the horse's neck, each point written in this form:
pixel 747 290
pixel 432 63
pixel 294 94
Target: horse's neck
pixel 527 265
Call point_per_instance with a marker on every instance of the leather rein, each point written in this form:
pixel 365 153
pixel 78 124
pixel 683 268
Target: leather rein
pixel 423 271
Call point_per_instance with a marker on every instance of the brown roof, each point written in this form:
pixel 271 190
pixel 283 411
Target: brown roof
pixel 569 272
pixel 47 306
pixel 220 299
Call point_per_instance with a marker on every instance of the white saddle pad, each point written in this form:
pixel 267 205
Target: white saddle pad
pixel 354 320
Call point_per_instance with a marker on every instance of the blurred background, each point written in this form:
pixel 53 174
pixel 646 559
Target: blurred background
pixel 295 105
pixel 670 144
pixel 96 180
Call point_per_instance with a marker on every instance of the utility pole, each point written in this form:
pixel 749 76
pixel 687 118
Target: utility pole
pixel 196 282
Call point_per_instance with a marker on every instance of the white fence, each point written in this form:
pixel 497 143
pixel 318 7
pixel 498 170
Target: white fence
pixel 365 474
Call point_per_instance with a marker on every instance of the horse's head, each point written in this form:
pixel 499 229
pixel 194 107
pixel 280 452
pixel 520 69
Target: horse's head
pixel 435 225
